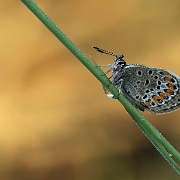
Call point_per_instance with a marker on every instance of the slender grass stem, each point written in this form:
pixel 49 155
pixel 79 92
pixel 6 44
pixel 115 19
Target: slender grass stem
pixel 155 137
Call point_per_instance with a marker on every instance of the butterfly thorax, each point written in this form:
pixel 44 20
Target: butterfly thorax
pixel 117 70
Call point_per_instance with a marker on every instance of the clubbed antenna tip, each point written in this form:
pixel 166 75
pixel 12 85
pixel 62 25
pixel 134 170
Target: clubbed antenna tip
pixel 98 49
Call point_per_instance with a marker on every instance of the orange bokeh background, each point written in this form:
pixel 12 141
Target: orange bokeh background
pixel 56 122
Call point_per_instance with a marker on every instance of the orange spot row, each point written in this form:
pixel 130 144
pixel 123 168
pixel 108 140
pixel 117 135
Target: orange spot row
pixel 171 86
pixel 148 102
pixel 156 98
pixel 168 92
pixel 168 79
pixel 162 95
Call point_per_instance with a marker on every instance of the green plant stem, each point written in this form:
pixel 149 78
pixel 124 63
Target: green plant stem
pixel 161 144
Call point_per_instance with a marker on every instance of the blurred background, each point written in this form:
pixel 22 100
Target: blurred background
pixel 55 120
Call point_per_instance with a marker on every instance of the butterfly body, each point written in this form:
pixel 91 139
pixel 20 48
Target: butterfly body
pixel 147 88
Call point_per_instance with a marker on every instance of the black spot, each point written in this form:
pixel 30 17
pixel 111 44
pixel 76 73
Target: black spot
pixel 135 86
pixel 172 80
pixel 155 77
pixel 139 73
pixel 158 87
pixel 166 97
pixel 160 101
pixel 159 82
pixel 150 72
pixel 145 96
pixel 178 100
pixel 137 97
pixel 138 82
pixel 128 92
pixel 147 91
pixel 175 87
pixel 172 93
pixel 162 73
pixel 146 82
pixel 153 104
pixel 152 89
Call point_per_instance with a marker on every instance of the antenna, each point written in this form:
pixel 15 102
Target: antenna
pixel 107 52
